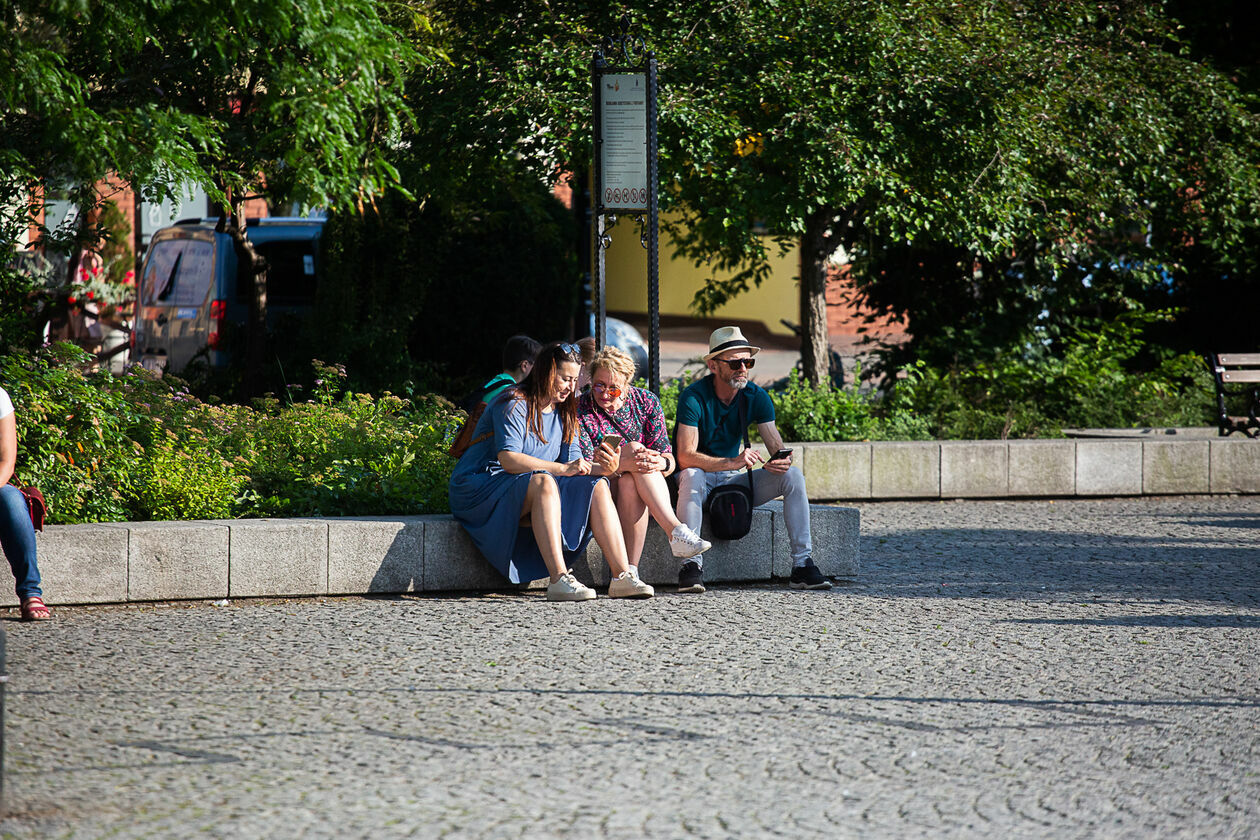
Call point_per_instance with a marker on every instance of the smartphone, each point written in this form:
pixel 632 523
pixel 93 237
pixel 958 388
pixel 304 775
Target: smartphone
pixel 612 440
pixel 781 454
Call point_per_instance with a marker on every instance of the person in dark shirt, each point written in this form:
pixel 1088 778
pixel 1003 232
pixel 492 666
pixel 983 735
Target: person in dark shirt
pixel 518 359
pixel 710 451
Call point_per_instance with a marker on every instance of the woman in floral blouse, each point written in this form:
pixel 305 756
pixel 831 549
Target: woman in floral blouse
pixel 614 406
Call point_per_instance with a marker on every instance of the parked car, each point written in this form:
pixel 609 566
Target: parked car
pixel 190 291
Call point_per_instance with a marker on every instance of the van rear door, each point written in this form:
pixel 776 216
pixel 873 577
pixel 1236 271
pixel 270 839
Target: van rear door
pixel 175 292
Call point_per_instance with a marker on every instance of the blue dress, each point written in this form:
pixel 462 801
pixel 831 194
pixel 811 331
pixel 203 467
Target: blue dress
pixel 487 500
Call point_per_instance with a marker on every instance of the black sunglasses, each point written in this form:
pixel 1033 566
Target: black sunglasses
pixel 736 364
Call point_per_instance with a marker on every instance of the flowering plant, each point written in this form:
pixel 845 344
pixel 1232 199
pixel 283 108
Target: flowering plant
pixel 94 285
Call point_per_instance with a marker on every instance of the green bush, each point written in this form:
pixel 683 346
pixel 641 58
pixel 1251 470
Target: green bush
pixel 73 434
pixel 805 413
pixel 345 454
pixel 136 447
pixel 1089 386
pixel 1096 382
pixel 173 482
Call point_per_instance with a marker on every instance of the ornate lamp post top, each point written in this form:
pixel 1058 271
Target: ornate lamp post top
pixel 633 50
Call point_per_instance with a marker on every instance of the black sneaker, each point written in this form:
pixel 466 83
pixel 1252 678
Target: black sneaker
pixel 690 578
pixel 808 577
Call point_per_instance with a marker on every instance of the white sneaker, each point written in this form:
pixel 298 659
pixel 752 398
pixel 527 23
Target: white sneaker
pixel 627 585
pixel 634 570
pixel 685 543
pixel 569 588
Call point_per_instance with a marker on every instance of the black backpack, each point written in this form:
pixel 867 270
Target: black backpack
pixel 730 506
pixel 472 403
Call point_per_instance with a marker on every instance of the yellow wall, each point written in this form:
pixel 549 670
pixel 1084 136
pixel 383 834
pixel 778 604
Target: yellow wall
pixel 625 276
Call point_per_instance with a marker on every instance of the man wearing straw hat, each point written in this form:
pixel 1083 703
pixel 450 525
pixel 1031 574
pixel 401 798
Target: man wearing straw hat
pixel 711 453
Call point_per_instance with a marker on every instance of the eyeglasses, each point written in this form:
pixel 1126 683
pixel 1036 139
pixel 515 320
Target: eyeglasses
pixel 570 350
pixel 611 391
pixel 736 364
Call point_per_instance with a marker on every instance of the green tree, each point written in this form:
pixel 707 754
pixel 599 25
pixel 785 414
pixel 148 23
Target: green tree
pixel 291 102
pixel 985 128
pixel 1052 131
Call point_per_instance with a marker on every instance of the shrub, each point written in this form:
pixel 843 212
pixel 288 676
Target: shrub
pixel 1095 382
pixel 72 434
pixel 343 454
pixel 108 448
pixel 174 482
pixel 1089 385
pixel 805 413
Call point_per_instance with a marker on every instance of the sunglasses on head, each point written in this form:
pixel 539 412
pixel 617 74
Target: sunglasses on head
pixel 570 349
pixel 736 364
pixel 610 390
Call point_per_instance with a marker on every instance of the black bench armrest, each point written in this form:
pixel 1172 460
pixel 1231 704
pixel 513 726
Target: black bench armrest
pixel 1237 377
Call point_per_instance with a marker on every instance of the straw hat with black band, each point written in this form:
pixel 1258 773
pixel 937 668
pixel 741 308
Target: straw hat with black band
pixel 728 338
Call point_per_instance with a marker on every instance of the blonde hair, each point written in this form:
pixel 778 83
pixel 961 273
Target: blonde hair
pixel 614 361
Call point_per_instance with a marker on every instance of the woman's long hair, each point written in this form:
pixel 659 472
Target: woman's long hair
pixel 537 387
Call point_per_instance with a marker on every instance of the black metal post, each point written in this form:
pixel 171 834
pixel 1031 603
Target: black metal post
pixel 623 45
pixel 654 275
pixel 601 312
pixel 597 311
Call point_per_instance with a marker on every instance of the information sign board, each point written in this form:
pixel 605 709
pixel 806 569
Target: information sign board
pixel 623 122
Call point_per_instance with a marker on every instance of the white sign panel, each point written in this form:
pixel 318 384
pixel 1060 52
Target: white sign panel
pixel 623 152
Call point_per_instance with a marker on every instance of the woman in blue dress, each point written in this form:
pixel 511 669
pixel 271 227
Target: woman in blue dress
pixel 526 495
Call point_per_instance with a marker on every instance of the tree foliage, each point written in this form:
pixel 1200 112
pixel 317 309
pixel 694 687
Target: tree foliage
pixel 292 102
pixel 1048 131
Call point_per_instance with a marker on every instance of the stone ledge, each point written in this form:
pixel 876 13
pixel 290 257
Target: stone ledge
pixel 116 562
pixel 143 561
pixel 983 469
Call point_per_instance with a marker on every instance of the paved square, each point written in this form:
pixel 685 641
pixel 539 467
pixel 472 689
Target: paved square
pixel 1037 669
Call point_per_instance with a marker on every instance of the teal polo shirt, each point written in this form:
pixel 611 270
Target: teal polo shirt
pixel 718 425
pixel 497 386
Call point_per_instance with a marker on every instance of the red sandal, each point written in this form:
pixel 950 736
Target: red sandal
pixel 34 609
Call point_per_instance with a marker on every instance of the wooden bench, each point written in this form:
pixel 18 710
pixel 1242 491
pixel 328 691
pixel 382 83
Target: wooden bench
pixel 1237 377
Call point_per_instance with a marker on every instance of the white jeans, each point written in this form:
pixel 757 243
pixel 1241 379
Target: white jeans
pixel 694 486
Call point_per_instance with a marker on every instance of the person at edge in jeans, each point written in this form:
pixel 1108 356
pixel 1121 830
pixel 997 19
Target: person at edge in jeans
pixel 17 535
pixel 710 451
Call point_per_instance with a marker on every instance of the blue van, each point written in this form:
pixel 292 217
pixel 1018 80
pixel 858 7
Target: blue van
pixel 188 291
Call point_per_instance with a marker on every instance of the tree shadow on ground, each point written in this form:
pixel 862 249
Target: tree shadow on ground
pixel 1219 567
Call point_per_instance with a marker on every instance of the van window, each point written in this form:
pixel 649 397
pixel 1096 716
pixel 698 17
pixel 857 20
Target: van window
pixel 290 271
pixel 178 272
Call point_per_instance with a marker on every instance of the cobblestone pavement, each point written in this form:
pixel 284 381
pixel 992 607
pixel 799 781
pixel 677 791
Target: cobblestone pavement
pixel 1027 669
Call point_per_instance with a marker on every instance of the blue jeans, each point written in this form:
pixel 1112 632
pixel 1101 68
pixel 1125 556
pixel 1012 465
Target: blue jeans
pixel 18 538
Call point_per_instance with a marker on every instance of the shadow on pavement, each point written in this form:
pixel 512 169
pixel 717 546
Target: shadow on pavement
pixel 1015 563
pixel 1217 620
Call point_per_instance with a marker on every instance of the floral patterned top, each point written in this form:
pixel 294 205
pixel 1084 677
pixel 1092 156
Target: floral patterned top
pixel 640 419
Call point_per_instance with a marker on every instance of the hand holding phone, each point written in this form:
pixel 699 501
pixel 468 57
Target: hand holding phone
pixel 612 440
pixel 781 454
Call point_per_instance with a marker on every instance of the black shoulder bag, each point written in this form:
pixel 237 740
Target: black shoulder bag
pixel 730 506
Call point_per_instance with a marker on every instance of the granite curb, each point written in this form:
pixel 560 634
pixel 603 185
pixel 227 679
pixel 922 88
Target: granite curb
pixel 988 469
pixel 119 562
pixel 152 561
